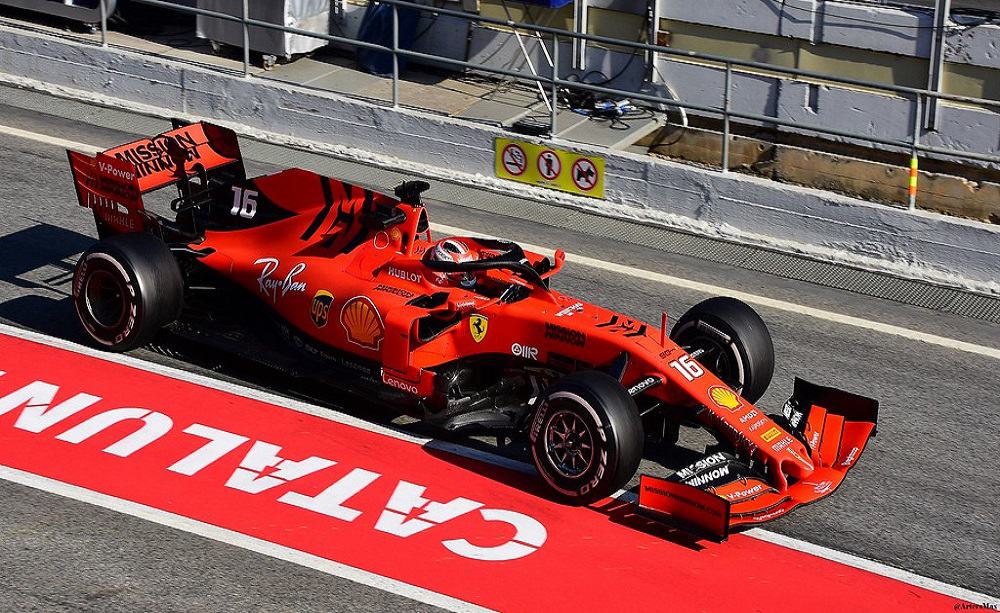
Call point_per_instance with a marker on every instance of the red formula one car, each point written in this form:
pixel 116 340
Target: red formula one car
pixel 465 332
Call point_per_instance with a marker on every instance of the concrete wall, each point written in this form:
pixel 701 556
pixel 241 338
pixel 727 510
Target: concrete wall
pixel 837 108
pixel 979 46
pixel 817 22
pixel 748 209
pixel 906 31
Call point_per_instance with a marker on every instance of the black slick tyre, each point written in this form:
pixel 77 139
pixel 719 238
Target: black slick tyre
pixel 732 341
pixel 586 437
pixel 125 288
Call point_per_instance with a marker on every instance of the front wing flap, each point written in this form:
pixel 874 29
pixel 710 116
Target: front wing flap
pixel 721 491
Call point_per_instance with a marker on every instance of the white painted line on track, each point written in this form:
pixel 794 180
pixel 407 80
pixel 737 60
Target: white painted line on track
pixel 332 415
pixel 49 140
pixel 933 585
pixel 230 537
pixel 847 559
pixel 648 275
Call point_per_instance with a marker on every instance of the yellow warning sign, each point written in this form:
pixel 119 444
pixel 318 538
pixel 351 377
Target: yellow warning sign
pixel 549 167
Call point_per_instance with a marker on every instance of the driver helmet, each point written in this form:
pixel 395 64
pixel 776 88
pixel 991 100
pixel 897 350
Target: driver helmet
pixel 452 250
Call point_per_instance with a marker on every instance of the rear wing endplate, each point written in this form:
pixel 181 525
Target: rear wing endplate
pixel 110 188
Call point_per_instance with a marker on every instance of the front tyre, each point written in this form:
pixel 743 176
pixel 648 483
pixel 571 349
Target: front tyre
pixel 732 342
pixel 125 289
pixel 586 437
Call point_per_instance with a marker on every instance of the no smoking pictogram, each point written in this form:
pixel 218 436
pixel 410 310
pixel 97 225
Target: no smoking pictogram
pixel 514 159
pixel 549 165
pixel 584 174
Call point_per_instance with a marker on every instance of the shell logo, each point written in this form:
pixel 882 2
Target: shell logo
pixel 724 397
pixel 362 323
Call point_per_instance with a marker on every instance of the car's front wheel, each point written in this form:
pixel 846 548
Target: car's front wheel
pixel 586 437
pixel 731 340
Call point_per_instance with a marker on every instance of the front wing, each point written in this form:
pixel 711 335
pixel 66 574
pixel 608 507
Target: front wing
pixel 720 491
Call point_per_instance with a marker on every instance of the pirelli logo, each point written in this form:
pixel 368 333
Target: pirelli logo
pixel 770 435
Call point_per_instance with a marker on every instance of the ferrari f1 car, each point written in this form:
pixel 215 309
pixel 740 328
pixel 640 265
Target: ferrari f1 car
pixel 464 332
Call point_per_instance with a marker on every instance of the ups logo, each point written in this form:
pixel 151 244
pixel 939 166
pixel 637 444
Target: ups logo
pixel 320 310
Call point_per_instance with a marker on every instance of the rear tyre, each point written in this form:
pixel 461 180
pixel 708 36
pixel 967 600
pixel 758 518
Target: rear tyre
pixel 125 289
pixel 734 342
pixel 586 437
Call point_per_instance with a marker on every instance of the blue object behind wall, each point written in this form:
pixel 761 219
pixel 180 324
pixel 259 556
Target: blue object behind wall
pixel 376 27
pixel 552 4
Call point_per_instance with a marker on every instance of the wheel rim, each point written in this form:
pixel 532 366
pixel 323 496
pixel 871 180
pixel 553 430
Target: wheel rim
pixel 721 359
pixel 569 444
pixel 104 296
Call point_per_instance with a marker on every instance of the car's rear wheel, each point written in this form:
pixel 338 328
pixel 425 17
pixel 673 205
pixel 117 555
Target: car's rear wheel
pixel 731 340
pixel 125 289
pixel 586 437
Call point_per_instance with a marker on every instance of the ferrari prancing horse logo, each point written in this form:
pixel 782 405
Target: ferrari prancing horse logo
pixel 478 324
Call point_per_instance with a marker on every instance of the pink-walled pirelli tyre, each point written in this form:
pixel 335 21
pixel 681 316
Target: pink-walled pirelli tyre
pixel 125 289
pixel 586 437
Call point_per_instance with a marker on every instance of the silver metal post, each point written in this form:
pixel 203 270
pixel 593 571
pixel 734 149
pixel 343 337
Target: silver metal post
pixel 914 153
pixel 580 26
pixel 653 24
pixel 942 11
pixel 555 93
pixel 395 56
pixel 246 38
pixel 725 117
pixel 104 23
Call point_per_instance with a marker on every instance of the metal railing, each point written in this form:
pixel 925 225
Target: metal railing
pixel 911 144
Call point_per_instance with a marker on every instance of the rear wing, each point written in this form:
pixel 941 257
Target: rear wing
pixel 182 152
pixel 112 183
